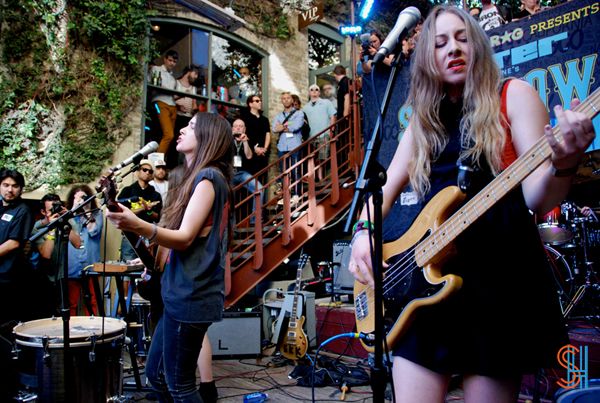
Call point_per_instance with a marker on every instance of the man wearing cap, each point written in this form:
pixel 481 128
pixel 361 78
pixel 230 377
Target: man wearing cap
pixel 148 206
pixel 160 183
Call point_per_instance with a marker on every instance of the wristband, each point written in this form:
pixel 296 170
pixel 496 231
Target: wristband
pixel 563 173
pixel 358 235
pixel 362 226
pixel 50 237
pixel 149 213
pixel 153 235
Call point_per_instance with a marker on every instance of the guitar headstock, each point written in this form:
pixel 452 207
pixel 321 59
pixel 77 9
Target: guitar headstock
pixel 109 188
pixel 302 261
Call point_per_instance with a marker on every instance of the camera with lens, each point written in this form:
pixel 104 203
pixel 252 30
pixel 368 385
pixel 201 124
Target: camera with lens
pixel 365 48
pixel 56 207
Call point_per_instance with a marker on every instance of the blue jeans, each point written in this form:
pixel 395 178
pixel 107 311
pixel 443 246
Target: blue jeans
pixel 127 252
pixel 242 176
pixel 291 160
pixel 171 364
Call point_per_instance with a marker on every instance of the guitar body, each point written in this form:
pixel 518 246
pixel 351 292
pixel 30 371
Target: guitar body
pixel 294 345
pixel 415 286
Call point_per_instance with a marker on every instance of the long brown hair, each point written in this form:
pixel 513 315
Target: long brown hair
pixel 482 119
pixel 80 188
pixel 214 149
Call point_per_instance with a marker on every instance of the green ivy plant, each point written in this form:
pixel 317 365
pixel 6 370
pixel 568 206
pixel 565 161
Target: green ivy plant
pixel 64 99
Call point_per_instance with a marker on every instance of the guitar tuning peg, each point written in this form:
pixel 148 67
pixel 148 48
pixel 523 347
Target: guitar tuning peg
pixel 119 179
pixel 99 195
pixel 117 173
pixel 101 201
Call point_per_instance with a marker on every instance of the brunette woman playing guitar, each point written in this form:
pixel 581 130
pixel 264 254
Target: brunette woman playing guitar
pixel 504 321
pixel 195 226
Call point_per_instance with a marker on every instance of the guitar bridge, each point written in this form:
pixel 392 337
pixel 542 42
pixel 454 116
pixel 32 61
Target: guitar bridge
pixel 361 305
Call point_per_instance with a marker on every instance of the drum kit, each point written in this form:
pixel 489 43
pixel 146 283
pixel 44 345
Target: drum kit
pixel 572 242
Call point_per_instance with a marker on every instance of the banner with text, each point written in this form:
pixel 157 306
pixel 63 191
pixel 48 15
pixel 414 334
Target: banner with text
pixel 556 51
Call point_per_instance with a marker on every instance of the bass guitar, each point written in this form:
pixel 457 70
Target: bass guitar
pixel 294 344
pixel 414 279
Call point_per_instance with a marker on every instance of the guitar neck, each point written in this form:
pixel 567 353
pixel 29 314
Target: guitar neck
pixel 510 178
pixel 296 292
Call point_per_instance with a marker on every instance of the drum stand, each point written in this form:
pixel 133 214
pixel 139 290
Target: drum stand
pixel 590 275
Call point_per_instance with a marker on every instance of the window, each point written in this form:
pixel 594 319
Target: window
pixel 214 72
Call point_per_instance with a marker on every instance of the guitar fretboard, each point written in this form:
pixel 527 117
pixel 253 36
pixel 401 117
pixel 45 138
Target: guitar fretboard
pixel 510 178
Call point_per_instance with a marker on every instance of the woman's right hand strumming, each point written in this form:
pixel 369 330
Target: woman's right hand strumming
pixel 360 259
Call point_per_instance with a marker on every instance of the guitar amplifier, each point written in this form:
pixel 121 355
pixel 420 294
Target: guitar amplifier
pixel 343 281
pixel 239 334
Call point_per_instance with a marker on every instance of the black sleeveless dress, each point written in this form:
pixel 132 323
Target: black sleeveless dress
pixel 506 318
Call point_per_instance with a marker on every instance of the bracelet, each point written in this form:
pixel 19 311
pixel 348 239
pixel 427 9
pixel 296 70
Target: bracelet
pixel 563 173
pixel 362 226
pixel 153 235
pixel 51 237
pixel 355 237
pixel 149 212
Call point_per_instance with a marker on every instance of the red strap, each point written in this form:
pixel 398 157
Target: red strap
pixel 510 155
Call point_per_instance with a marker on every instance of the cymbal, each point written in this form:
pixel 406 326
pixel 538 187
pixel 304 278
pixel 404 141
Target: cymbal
pixel 589 167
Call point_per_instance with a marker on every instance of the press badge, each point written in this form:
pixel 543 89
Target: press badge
pixel 237 161
pixel 7 217
pixel 408 198
pixel 290 135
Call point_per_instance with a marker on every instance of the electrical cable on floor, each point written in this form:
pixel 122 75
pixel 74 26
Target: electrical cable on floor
pixel 353 335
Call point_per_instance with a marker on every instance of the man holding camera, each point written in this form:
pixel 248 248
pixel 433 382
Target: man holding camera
pixel 43 256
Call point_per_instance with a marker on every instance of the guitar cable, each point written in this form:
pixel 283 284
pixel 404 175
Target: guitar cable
pixel 352 335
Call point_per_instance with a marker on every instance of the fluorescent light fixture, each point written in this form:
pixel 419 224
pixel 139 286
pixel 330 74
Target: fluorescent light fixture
pixel 366 9
pixel 223 17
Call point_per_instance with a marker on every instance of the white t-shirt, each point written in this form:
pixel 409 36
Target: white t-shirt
pixel 490 19
pixel 161 188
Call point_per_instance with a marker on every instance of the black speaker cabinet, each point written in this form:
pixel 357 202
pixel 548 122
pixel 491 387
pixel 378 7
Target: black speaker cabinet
pixel 239 334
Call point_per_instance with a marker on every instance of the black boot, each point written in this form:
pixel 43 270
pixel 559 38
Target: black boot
pixel 208 392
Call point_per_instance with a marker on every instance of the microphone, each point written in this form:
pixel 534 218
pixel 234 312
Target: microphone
pixel 407 20
pixel 148 148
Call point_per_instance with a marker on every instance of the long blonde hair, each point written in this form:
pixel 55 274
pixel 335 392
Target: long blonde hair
pixel 214 149
pixel 482 120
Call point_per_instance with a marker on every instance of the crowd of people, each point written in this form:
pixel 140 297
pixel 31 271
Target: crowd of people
pixel 491 15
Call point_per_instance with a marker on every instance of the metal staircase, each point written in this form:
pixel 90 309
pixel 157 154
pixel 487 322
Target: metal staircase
pixel 282 224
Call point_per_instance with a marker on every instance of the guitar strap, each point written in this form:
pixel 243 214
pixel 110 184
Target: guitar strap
pixel 466 166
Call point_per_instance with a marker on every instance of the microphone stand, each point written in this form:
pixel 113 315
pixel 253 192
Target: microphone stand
pixel 370 181
pixel 62 257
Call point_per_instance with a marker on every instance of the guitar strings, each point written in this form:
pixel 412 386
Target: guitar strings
pixel 397 269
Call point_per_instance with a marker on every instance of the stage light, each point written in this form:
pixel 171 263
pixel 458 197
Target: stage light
pixel 366 9
pixel 351 30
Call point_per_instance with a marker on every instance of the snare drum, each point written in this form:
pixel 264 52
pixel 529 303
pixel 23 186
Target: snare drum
pixel 96 346
pixel 552 230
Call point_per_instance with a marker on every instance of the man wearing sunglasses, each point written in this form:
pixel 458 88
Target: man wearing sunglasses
pixel 147 208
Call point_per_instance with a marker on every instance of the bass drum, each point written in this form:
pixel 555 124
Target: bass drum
pixel 96 347
pixel 563 276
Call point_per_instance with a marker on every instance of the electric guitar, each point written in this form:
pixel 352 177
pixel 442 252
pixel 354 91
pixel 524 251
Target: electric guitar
pixel 294 344
pixel 151 288
pixel 414 279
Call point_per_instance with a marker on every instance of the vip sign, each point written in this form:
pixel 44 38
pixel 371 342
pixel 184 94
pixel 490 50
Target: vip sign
pixel 310 16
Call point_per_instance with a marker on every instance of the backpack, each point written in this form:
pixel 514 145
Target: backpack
pixel 305 129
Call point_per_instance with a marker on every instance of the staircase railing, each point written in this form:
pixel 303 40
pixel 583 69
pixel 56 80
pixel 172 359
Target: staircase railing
pixel 271 223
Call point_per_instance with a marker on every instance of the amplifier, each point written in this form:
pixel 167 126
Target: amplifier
pixel 343 281
pixel 239 334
